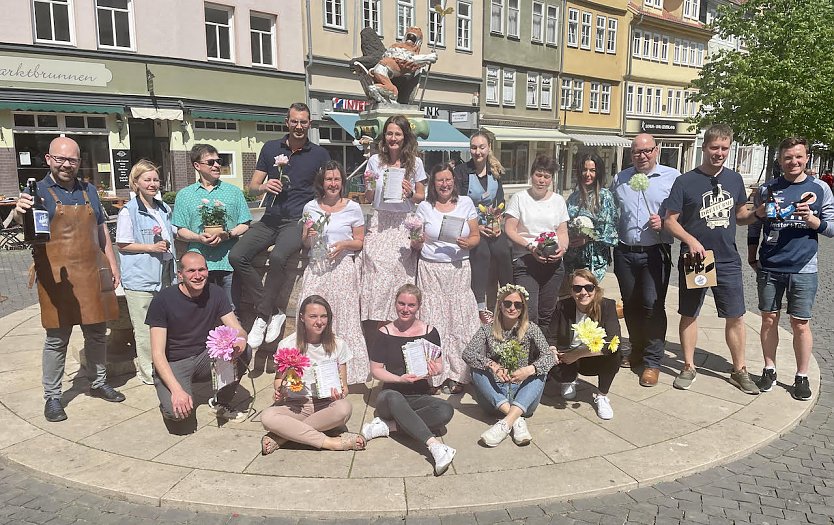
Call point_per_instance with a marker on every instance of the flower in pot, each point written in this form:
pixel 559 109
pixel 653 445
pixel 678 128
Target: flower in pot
pixel 213 216
pixel 547 244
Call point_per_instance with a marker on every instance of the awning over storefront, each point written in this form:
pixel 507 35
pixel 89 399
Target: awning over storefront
pixel 442 135
pixel 61 108
pixel 346 121
pixel 156 113
pixel 508 134
pixel 229 115
pixel 600 140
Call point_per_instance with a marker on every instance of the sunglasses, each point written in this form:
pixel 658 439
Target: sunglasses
pixel 508 304
pixel 587 287
pixel 212 162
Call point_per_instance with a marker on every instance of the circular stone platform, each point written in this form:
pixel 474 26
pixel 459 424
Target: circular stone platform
pixel 657 434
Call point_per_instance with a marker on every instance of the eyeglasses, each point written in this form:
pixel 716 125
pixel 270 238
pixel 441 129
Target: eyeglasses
pixel 509 304
pixel 60 160
pixel 303 123
pixel 212 162
pixel 646 152
pixel 587 287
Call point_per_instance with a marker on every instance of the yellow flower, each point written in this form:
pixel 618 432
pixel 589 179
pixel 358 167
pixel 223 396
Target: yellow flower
pixel 501 206
pixel 614 344
pixel 482 208
pixel 588 331
pixel 595 346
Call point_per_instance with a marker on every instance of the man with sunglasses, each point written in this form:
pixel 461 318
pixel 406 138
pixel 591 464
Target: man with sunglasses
pixel 284 172
pixel 642 258
pixel 703 209
pixel 77 274
pixel 208 190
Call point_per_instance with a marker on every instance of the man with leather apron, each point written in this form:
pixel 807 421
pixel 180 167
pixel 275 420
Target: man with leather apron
pixel 76 272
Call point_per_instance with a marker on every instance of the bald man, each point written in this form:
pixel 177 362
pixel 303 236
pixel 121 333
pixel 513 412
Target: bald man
pixel 77 275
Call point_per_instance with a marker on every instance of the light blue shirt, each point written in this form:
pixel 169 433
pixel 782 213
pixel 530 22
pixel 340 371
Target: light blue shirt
pixel 633 226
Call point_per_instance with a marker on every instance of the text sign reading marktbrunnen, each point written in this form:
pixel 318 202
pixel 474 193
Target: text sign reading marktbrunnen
pixel 121 168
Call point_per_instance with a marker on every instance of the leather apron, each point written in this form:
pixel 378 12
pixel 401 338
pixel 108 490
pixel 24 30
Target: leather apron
pixel 75 282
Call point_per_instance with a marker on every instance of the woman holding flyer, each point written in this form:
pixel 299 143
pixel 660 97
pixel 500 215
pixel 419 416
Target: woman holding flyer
pixel 405 404
pixel 510 359
pixel 310 394
pixel 336 276
pixel 450 230
pixel 395 183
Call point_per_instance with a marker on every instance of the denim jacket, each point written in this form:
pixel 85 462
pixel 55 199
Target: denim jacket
pixel 143 271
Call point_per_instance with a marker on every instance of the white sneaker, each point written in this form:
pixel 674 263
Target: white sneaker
pixel 495 434
pixel 226 413
pixel 568 390
pixel 443 456
pixel 521 435
pixel 273 328
pixel 604 410
pixel 256 334
pixel 376 428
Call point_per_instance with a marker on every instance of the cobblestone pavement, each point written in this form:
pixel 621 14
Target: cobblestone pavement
pixel 790 481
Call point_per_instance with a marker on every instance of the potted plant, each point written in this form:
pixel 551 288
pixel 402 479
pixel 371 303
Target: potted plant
pixel 213 216
pixel 547 244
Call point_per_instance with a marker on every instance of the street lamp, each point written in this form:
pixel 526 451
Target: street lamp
pixel 573 106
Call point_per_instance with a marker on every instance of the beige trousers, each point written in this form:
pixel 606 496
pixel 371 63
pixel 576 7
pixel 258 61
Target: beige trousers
pixel 303 420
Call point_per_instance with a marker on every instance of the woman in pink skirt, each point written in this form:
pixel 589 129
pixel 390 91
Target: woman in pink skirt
pixel 387 259
pixel 334 231
pixel 450 225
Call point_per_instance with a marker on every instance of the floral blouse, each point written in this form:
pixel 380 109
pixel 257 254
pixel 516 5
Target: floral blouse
pixel 483 348
pixel 594 255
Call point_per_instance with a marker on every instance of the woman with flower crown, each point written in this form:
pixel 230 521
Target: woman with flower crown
pixel 510 359
pixel 298 415
pixel 586 302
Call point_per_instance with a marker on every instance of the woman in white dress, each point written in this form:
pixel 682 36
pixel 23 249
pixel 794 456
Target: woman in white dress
pixel 334 274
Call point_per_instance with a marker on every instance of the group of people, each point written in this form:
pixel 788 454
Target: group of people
pixel 422 268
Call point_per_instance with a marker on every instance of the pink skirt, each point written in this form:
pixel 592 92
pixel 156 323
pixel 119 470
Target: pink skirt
pixel 449 305
pixel 388 262
pixel 338 283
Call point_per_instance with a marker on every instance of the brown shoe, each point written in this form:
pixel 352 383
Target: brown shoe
pixel 649 377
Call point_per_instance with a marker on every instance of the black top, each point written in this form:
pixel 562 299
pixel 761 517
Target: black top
pixel 188 320
pixel 560 333
pixel 388 350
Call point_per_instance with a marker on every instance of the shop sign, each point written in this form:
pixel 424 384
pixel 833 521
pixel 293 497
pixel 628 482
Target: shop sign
pixel 121 163
pixel 432 112
pixel 659 126
pixel 459 116
pixel 349 104
pixel 46 71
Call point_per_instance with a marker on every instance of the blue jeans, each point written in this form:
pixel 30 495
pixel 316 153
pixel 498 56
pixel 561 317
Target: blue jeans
pixel 55 356
pixel 800 288
pixel 490 394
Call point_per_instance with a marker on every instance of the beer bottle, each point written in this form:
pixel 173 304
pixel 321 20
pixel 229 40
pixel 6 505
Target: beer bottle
pixel 771 207
pixel 787 212
pixel 36 221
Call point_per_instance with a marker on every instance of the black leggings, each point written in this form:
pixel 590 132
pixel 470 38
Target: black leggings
pixel 605 366
pixel 415 414
pixel 491 250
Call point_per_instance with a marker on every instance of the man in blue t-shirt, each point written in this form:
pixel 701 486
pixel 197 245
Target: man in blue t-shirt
pixel 285 172
pixel 703 209
pixel 801 208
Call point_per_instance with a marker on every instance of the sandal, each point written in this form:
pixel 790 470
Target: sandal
pixel 270 443
pixel 485 316
pixel 351 441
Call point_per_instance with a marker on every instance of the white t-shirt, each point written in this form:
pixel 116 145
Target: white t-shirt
pixel 124 229
pixel 340 227
pixel 316 353
pixel 377 168
pixel 442 251
pixel 535 217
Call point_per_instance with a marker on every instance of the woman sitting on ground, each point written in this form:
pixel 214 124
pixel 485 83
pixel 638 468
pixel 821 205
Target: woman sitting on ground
pixel 586 301
pixel 404 404
pixel 299 416
pixel 509 359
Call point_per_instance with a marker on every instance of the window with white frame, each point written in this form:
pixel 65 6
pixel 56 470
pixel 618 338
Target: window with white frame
pixel 218 33
pixel 551 34
pixel 537 23
pixel 691 9
pixel 496 17
pixel 573 27
pixel 599 41
pixel 546 92
pixel 700 60
pixel 656 47
pixel 53 21
pixel 372 14
pixel 605 99
pixel 532 90
pixel 676 58
pixel 611 46
pixel 405 16
pixel 636 43
pixel 630 99
pixel 647 46
pixel 664 49
pixel 566 95
pixel 464 25
pixel 492 89
pixel 578 92
pixel 693 107
pixel 508 87
pixel 262 32
pixel 654 3
pixel 693 54
pixel 115 30
pixel 640 99
pixel 586 30
pixel 593 98
pixel 513 18
pixel 437 27
pixel 334 13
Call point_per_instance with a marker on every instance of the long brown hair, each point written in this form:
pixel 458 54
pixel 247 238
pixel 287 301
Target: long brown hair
pixel 328 339
pixel 408 157
pixel 523 322
pixel 589 200
pixel 595 310
pixel 318 181
pixel 496 169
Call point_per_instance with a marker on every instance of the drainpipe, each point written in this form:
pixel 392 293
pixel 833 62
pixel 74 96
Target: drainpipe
pixel 563 32
pixel 309 55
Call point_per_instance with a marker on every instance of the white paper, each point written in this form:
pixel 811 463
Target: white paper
pixel 25 158
pixel 392 189
pixel 415 358
pixel 224 373
pixel 327 378
pixel 451 228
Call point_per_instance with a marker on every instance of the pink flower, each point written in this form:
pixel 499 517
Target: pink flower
pixel 157 230
pixel 309 223
pixel 220 342
pixel 413 223
pixel 281 161
pixel 291 358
